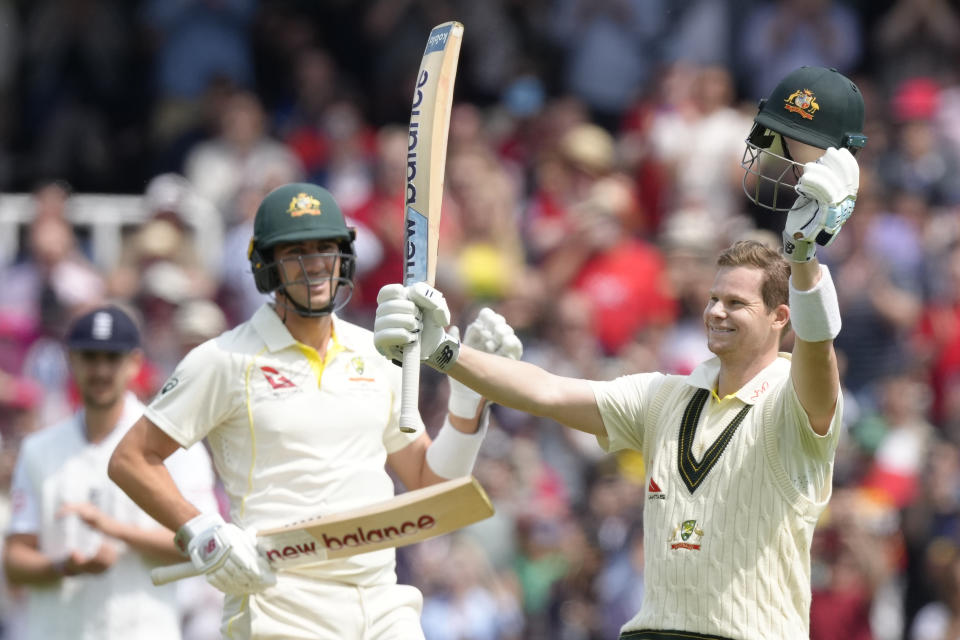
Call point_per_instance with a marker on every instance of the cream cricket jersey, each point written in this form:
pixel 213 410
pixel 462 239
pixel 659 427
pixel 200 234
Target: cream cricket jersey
pixel 58 464
pixel 734 490
pixel 292 436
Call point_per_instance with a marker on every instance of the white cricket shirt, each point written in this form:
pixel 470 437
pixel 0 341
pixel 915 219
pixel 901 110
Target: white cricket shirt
pixel 734 490
pixel 56 465
pixel 292 437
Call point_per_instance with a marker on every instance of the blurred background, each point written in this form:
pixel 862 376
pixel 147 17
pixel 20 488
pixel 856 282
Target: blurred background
pixel 593 175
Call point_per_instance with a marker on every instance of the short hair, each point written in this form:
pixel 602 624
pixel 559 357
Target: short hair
pixel 775 288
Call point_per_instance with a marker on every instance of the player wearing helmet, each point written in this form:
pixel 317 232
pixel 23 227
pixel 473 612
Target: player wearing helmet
pixel 301 414
pixel 738 454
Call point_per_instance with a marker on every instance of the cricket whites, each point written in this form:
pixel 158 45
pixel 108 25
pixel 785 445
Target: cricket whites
pixel 426 160
pixel 411 517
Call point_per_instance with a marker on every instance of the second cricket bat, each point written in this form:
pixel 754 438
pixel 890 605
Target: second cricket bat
pixel 426 161
pixel 408 518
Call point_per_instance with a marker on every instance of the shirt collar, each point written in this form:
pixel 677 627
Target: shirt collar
pixel 706 374
pixel 275 334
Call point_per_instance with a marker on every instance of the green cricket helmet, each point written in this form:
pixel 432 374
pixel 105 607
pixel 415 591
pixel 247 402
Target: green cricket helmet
pixel 813 105
pixel 292 213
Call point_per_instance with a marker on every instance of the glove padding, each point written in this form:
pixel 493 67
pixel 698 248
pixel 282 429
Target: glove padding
pixel 405 314
pixel 489 332
pixel 226 554
pixel 828 193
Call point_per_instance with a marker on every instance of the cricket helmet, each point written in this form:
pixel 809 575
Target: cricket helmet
pixel 296 212
pixel 813 105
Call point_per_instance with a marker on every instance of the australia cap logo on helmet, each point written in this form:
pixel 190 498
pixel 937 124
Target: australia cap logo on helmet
pixel 802 101
pixel 304 205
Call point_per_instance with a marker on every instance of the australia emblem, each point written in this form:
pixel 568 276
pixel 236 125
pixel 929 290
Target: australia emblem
pixel 802 101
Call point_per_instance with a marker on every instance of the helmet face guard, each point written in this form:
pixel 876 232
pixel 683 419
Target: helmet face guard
pixel 816 106
pixel 296 213
pixel 769 177
pixel 339 286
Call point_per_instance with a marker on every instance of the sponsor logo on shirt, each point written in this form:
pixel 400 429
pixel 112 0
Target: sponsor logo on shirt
pixel 686 535
pixel 654 492
pixel 169 385
pixel 276 379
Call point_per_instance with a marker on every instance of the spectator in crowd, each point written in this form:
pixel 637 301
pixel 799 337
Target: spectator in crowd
pixel 786 34
pixel 241 150
pixel 79 545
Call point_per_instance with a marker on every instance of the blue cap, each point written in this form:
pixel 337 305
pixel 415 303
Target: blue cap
pixel 103 329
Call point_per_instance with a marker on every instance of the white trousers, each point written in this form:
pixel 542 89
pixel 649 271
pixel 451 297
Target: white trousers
pixel 299 608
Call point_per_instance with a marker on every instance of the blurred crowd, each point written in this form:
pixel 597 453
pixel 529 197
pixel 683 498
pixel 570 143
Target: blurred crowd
pixel 593 175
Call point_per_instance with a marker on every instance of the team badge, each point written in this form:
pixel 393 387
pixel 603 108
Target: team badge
pixel 358 365
pixel 304 205
pixel 686 535
pixel 802 101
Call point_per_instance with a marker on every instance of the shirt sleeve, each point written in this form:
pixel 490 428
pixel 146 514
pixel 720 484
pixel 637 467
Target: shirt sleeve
pixel 807 457
pixel 623 404
pixel 199 395
pixel 24 500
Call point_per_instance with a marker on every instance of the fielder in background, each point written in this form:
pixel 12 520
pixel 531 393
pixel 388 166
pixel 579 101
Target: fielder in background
pixel 739 454
pixel 82 549
pixel 301 414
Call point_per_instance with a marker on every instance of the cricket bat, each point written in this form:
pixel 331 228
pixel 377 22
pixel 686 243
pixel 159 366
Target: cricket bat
pixel 426 160
pixel 411 517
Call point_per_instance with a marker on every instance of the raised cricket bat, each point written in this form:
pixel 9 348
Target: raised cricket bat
pixel 426 160
pixel 411 517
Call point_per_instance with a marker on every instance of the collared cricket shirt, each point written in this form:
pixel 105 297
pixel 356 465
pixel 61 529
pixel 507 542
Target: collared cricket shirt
pixel 734 489
pixel 293 436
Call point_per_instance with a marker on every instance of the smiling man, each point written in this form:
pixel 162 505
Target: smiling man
pixel 302 416
pixel 740 452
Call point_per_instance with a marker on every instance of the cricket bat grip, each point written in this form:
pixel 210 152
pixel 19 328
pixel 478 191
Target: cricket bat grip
pixel 163 575
pixel 410 388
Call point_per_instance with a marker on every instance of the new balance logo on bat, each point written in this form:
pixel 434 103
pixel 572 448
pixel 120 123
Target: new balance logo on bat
pixel 361 538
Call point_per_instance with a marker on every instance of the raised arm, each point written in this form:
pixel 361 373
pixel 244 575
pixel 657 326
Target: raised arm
pixel 828 193
pixel 814 365
pixel 512 383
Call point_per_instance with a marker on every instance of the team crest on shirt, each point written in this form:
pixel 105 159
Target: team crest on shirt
pixel 355 370
pixel 686 535
pixel 803 102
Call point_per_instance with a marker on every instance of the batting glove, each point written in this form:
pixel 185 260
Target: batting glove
pixel 490 333
pixel 828 194
pixel 226 554
pixel 406 314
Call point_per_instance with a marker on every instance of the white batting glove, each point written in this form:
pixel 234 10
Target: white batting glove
pixel 226 554
pixel 490 333
pixel 828 194
pixel 406 314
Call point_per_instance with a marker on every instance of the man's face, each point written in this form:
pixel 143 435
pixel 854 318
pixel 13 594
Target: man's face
pixel 308 269
pixel 102 377
pixel 736 319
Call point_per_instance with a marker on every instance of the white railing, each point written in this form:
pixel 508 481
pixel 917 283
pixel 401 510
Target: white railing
pixel 108 216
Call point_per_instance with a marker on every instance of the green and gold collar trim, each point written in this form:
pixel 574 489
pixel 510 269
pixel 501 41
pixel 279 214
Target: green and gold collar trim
pixel 691 471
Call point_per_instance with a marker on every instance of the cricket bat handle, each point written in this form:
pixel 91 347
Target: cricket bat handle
pixel 163 575
pixel 410 388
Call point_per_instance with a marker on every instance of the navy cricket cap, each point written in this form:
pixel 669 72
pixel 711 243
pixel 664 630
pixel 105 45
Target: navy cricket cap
pixel 104 329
